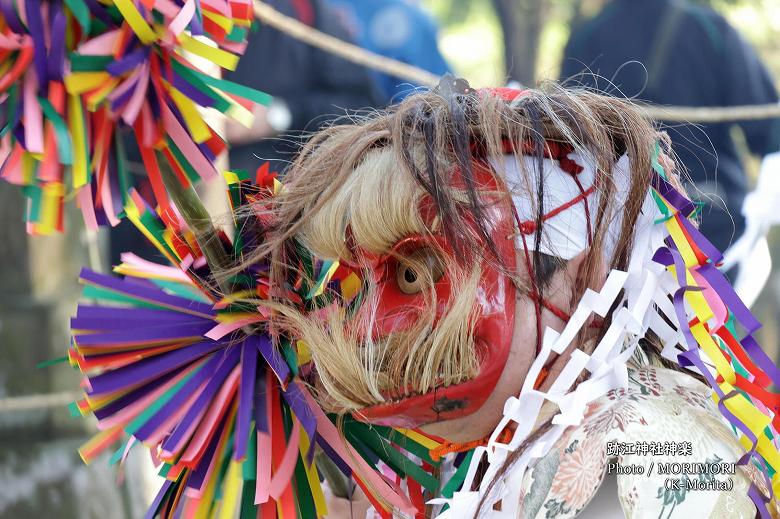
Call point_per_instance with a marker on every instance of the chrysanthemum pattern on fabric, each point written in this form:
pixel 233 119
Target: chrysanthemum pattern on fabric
pixel 659 405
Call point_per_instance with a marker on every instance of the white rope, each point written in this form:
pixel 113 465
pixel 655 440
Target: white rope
pixel 355 54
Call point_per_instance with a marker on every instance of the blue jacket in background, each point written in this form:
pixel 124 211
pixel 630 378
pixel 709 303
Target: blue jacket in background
pixel 674 53
pixel 396 29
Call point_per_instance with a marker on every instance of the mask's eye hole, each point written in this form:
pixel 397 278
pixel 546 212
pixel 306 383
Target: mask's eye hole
pixel 419 270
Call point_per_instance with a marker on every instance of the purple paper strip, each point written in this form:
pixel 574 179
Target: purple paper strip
pixel 99 11
pixel 89 317
pixel 142 334
pixel 726 292
pixel 206 151
pixel 120 100
pixel 196 26
pixel 246 389
pixel 701 241
pixel 297 402
pixel 134 395
pixel 127 62
pixel 179 399
pixel 57 52
pixel 151 512
pixel 272 357
pixel 149 369
pixel 229 361
pixel 35 29
pixel 191 92
pixel 677 200
pixel 261 413
pixel 154 295
pixel 9 13
pixel 195 481
pixel 760 358
pixel 334 457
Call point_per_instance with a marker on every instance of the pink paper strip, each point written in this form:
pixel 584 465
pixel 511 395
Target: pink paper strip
pixel 84 199
pixel 108 202
pixel 215 410
pixel 137 101
pixel 33 117
pixel 166 7
pixel 154 269
pixel 132 410
pixel 223 329
pixel 183 18
pixel 715 302
pixel 263 484
pixel 221 7
pixel 328 432
pixel 100 45
pixel 170 423
pixel 283 475
pixel 188 148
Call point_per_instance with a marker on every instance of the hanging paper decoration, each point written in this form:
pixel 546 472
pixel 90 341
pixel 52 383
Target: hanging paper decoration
pixel 79 79
pixel 193 374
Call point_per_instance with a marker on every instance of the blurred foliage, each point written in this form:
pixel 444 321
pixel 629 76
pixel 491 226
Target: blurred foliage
pixel 471 37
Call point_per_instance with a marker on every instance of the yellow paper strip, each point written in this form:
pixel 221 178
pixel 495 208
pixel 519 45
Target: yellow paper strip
pixel 231 496
pixel 80 82
pixel 419 438
pixel 312 476
pixel 136 21
pixel 198 128
pixel 78 134
pixel 673 226
pixel 215 55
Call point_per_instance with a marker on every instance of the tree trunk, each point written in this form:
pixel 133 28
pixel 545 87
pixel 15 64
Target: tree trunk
pixel 521 23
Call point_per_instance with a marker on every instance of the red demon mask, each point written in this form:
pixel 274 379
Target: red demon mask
pixel 495 313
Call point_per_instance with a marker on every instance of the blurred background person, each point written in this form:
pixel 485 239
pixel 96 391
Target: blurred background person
pixel 310 87
pixel 398 29
pixel 674 53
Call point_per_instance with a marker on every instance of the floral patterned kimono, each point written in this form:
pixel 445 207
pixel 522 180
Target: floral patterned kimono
pixel 671 415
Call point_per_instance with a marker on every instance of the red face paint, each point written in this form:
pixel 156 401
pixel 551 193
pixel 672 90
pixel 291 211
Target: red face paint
pixel 495 305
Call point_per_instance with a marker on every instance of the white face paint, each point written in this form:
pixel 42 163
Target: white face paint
pixel 564 234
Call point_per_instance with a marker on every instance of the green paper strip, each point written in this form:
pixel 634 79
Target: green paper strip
pixel 224 466
pixel 64 144
pixel 74 410
pixel 188 75
pixel 51 362
pixel 34 195
pixel 249 466
pixel 248 506
pixel 405 443
pixel 657 165
pixel 192 175
pixel 180 289
pixel 238 34
pixel 305 501
pixel 392 457
pixel 81 13
pixel 150 411
pixel 164 470
pixel 232 88
pixel 118 453
pixel 122 173
pixel 88 63
pixel 13 106
pixel 93 292
pixel 457 479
